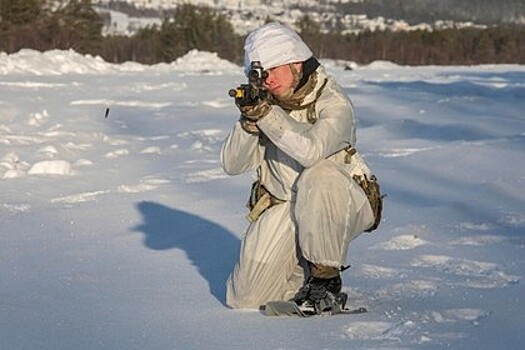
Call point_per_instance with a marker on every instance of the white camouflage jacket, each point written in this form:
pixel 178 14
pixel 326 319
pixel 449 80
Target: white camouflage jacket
pixel 293 143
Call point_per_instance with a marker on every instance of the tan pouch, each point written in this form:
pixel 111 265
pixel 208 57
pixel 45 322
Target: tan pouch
pixel 373 192
pixel 260 200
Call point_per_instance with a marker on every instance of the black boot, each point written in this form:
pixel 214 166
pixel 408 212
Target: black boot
pixel 320 295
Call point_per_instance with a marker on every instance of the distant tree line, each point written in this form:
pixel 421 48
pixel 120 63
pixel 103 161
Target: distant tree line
pixel 460 46
pixel 28 24
pixel 429 11
pixel 186 28
pixel 75 25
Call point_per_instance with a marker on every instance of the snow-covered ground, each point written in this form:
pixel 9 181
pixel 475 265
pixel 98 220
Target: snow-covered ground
pixel 118 232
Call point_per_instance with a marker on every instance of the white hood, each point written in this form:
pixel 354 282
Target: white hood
pixel 274 44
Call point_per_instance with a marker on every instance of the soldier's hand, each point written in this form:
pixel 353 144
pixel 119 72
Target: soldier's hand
pixel 255 112
pixel 249 126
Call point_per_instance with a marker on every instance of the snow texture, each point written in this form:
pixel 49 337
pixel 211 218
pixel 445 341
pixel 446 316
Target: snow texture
pixel 119 232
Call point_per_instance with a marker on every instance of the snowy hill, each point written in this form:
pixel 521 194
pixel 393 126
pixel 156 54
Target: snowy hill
pixel 119 231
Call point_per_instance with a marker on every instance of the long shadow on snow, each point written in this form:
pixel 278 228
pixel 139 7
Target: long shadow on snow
pixel 209 246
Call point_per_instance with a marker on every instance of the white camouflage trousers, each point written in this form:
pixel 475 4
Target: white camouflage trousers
pixel 329 210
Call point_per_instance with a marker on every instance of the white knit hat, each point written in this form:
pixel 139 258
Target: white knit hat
pixel 274 44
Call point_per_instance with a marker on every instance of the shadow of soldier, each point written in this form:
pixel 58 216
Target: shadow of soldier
pixel 209 246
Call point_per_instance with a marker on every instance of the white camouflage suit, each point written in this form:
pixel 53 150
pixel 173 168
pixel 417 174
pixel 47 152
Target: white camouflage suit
pixel 304 165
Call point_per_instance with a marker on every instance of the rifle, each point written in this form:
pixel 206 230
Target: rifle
pixel 249 94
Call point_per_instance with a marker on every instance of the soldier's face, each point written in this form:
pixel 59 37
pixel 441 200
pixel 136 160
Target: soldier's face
pixel 281 80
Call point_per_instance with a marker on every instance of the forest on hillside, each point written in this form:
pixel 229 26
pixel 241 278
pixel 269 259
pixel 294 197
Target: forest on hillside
pixel 491 12
pixel 76 25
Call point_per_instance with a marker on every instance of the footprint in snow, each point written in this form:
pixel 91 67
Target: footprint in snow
pixel 468 273
pixel 367 330
pixel 457 315
pixel 417 329
pixel 414 288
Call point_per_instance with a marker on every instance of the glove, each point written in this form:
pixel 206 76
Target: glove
pixel 249 126
pixel 255 112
